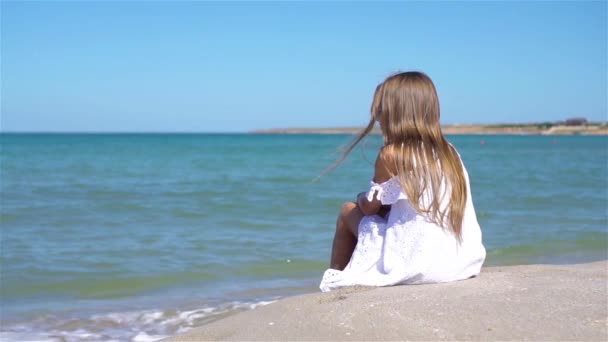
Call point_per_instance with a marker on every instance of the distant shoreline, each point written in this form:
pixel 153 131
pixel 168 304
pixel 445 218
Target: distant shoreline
pixel 495 129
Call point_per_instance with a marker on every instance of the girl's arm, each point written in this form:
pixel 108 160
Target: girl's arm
pixel 381 175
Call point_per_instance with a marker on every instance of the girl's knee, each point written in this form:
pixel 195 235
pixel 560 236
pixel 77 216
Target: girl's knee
pixel 347 208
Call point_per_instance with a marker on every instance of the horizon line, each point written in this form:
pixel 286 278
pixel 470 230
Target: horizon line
pixel 265 130
pixel 262 130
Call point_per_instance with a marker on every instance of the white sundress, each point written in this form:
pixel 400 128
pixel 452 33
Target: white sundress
pixel 407 248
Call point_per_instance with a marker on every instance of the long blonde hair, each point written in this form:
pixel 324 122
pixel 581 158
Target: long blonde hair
pixel 406 106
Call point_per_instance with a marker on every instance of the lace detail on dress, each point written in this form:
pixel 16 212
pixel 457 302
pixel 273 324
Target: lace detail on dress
pixel 388 192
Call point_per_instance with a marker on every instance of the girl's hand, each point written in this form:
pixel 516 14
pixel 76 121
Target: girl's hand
pixel 360 196
pixel 382 211
pixel 367 207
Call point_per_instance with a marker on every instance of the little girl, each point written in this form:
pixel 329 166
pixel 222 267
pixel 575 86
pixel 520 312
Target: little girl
pixel 416 224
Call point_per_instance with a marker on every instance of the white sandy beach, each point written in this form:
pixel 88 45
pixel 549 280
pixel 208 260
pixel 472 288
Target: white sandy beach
pixel 535 302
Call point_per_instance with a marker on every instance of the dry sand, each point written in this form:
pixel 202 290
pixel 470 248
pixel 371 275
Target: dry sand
pixel 536 302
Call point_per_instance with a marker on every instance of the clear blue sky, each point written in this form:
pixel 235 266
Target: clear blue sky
pixel 223 67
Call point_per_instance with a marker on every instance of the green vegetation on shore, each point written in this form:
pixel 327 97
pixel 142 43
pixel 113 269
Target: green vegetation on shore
pixel 541 128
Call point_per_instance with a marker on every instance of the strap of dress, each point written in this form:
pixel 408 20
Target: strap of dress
pixel 373 188
pixel 388 192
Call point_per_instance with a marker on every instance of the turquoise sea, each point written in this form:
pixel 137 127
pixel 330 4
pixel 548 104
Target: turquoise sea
pixel 140 236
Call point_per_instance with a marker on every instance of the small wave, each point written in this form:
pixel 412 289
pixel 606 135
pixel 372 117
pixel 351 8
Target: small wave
pixel 5 219
pixel 189 214
pixel 136 326
pixel 283 267
pixel 587 246
pixel 112 286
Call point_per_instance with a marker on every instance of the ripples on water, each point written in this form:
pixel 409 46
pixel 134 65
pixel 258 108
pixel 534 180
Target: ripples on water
pixel 141 236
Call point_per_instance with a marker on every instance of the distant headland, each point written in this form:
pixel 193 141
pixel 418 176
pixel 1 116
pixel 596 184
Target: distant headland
pixel 573 126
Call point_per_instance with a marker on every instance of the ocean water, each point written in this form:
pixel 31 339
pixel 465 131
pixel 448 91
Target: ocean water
pixel 141 236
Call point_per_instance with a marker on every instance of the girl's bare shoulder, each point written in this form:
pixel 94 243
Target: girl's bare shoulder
pixel 385 164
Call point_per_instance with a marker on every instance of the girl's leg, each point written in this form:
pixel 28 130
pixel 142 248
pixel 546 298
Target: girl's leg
pixel 345 239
